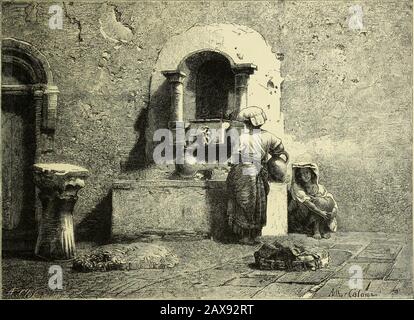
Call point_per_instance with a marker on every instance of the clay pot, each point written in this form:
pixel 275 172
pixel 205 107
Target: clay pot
pixel 188 169
pixel 277 167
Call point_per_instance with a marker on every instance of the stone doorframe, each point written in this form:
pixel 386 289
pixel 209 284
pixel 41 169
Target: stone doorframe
pixel 43 89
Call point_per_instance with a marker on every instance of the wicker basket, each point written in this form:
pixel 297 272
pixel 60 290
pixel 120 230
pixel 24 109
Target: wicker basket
pixel 290 260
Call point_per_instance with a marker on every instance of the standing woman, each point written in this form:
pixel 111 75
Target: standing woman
pixel 247 181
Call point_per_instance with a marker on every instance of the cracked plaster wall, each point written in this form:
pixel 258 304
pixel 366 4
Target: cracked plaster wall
pixel 346 96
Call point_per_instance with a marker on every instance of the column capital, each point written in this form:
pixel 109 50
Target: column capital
pixel 38 90
pixel 59 177
pixel 51 89
pixel 174 75
pixel 244 68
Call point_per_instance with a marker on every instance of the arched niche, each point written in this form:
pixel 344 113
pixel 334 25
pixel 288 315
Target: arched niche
pixel 174 82
pixel 208 88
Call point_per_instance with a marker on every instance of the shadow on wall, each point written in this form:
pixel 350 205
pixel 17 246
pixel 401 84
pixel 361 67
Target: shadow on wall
pixel 140 155
pixel 157 117
pixel 96 226
pixel 136 157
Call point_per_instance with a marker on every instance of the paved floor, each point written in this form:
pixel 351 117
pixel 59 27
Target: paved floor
pixel 212 270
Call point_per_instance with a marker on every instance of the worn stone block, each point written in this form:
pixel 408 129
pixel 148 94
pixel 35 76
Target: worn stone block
pixel 168 207
pixel 345 271
pixel 338 257
pixel 212 277
pixel 261 281
pixel 400 273
pixel 352 248
pixel 377 270
pixel 228 292
pixel 266 273
pixel 283 290
pixel 404 288
pixel 308 277
pixel 379 252
pixel 382 287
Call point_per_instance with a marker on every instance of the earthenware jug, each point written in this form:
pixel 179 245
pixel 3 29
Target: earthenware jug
pixel 187 170
pixel 277 167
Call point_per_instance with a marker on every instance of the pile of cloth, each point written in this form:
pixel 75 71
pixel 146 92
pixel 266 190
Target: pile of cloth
pixel 125 257
pixel 290 256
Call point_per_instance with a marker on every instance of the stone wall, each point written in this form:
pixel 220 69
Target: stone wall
pixel 346 96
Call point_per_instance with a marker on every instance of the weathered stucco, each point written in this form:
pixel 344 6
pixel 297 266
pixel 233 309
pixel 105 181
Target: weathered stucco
pixel 169 207
pixel 346 95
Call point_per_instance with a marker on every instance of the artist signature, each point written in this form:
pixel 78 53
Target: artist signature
pixel 352 293
pixel 20 293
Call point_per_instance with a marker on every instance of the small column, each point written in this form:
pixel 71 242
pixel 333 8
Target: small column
pixel 242 75
pixel 58 184
pixel 49 108
pixel 177 125
pixel 45 100
pixel 38 93
pixel 176 80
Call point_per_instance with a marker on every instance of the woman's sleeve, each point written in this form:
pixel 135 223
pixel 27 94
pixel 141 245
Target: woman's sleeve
pixel 299 194
pixel 275 145
pixel 325 193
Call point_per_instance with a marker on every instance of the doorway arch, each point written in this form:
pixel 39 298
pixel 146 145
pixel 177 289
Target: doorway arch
pixel 29 104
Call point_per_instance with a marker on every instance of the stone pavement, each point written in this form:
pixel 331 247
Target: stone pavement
pixel 212 270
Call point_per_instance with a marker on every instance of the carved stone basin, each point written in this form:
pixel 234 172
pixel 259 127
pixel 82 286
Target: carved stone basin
pixel 59 184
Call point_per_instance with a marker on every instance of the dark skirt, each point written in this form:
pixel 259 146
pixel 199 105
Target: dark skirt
pixel 247 200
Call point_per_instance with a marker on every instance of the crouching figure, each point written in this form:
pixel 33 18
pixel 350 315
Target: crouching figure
pixel 312 209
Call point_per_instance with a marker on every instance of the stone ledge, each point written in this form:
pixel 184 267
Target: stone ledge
pixel 133 184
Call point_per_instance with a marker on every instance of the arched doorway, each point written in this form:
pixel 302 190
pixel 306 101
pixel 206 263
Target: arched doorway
pixel 28 108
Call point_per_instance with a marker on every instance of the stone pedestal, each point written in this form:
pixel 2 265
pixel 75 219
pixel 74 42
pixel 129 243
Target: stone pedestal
pixel 58 187
pixel 184 207
pixel 277 219
pixel 169 207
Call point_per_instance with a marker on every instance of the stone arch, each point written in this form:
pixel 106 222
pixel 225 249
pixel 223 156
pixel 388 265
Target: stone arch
pixel 26 55
pixel 224 54
pixel 242 46
pixel 41 85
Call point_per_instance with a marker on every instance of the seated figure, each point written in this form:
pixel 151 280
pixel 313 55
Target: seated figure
pixel 311 209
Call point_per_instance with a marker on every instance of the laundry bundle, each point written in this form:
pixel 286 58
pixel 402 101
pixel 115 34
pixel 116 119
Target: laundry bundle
pixel 290 256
